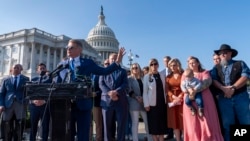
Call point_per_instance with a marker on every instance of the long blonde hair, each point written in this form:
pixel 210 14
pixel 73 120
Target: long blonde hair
pixel 178 63
pixel 139 71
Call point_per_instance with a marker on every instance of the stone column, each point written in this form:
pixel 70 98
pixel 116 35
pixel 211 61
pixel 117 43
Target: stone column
pixel 106 54
pixel 3 62
pixel 32 58
pixel 41 54
pixel 54 62
pixel 10 59
pixel 48 58
pixel 61 54
pixel 102 54
pixel 20 52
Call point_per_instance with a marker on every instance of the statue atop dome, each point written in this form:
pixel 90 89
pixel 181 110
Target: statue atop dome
pixel 101 10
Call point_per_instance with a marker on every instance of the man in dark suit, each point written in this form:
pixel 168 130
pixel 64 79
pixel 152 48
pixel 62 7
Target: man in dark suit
pixel 165 72
pixel 114 101
pixel 81 108
pixel 39 110
pixel 12 102
pixel 97 110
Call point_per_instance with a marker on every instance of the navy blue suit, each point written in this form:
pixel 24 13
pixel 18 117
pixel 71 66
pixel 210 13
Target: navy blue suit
pixel 39 113
pixel 116 81
pixel 82 108
pixel 8 94
pixel 13 100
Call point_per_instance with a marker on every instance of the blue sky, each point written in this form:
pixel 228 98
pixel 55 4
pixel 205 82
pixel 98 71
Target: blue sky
pixel 151 29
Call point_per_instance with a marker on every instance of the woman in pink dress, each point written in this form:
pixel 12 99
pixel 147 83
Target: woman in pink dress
pixel 206 128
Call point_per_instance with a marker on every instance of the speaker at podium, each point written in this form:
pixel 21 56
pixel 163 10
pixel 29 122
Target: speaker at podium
pixel 59 97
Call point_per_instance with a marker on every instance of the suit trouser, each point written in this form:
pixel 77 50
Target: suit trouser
pixel 97 116
pixel 39 113
pixel 80 124
pixel 18 110
pixel 121 114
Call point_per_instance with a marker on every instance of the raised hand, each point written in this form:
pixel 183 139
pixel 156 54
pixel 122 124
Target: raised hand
pixel 120 55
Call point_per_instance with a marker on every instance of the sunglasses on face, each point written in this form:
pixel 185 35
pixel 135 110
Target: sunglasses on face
pixel 134 68
pixel 70 47
pixel 154 64
pixel 106 63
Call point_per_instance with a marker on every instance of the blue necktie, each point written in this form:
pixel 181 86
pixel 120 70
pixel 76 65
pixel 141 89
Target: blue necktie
pixel 15 82
pixel 72 67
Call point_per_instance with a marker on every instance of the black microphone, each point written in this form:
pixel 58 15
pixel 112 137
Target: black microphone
pixel 41 76
pixel 66 66
pixel 61 67
pixel 52 74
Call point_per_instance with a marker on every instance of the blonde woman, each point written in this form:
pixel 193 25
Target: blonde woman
pixel 155 101
pixel 175 97
pixel 136 107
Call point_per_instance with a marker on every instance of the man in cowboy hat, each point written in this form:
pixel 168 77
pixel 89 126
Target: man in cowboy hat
pixel 231 76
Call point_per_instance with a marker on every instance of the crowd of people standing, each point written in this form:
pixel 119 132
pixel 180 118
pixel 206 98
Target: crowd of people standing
pixel 195 104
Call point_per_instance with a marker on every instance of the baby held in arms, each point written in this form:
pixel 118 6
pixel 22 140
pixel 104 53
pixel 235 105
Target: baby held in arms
pixel 190 85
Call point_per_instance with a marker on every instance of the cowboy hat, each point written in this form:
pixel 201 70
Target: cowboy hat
pixel 228 48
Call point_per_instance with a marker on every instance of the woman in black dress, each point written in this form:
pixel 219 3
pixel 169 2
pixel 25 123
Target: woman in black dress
pixel 154 100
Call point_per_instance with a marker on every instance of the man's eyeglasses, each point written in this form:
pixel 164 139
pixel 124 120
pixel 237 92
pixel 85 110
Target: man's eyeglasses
pixel 70 47
pixel 134 68
pixel 154 64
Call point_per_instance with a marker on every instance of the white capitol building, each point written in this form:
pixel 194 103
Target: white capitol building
pixel 30 47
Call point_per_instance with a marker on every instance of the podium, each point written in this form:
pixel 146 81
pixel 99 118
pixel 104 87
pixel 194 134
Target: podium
pixel 59 97
pixel 58 91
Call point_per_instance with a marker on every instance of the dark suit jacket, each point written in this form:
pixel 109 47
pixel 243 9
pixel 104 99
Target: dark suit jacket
pixel 87 68
pixel 7 92
pixel 116 81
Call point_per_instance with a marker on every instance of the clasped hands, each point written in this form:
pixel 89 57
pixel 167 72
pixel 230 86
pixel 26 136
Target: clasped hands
pixel 139 99
pixel 113 95
pixel 228 91
pixel 176 100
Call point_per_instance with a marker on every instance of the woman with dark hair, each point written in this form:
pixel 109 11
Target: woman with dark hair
pixel 207 127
